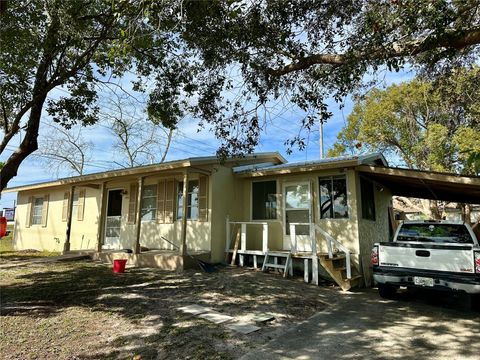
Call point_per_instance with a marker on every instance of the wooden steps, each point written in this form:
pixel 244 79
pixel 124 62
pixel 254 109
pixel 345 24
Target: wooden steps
pixel 336 268
pixel 286 266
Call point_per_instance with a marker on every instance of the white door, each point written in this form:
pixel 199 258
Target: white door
pixel 113 221
pixel 297 209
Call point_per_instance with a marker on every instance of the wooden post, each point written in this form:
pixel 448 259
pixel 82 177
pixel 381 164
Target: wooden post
pixel 265 238
pixel 183 247
pixel 243 243
pixel 293 238
pixel 66 245
pixel 101 215
pixel 315 269
pixel 305 270
pixel 138 215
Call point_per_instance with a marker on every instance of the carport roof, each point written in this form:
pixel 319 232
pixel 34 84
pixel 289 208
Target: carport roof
pixel 425 184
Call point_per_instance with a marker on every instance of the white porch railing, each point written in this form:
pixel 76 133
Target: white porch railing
pixel 293 237
pixel 293 241
pixel 243 234
pixel 340 246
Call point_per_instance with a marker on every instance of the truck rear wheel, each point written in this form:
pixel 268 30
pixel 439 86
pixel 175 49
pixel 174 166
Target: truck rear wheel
pixel 387 291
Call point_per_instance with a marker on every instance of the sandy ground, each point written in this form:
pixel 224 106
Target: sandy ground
pixel 81 310
pixel 416 325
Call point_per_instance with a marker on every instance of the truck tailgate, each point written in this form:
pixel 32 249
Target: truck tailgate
pixel 451 258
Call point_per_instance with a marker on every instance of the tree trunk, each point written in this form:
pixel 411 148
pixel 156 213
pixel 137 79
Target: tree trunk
pixel 435 212
pixel 28 145
pixel 466 210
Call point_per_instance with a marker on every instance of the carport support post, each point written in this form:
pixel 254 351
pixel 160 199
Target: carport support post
pixel 138 215
pixel 101 216
pixel 183 247
pixel 66 246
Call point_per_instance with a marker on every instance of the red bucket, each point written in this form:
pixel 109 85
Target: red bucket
pixel 119 265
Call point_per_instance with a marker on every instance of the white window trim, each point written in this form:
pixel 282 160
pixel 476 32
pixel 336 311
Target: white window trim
pixel 150 196
pixel 349 197
pixel 33 223
pixel 284 200
pixel 178 205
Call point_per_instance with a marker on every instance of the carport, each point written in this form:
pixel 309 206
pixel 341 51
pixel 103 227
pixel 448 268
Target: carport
pixel 425 184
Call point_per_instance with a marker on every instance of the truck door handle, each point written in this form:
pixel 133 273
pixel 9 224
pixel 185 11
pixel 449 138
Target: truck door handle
pixel 422 253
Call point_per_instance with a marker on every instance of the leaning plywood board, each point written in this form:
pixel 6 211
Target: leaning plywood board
pixel 235 247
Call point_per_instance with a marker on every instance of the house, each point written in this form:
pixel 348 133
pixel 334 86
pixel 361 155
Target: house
pixel 327 212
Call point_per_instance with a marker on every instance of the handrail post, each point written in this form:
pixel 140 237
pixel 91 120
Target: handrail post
pixel 293 240
pixel 265 238
pixel 329 246
pixel 349 269
pixel 313 239
pixel 243 242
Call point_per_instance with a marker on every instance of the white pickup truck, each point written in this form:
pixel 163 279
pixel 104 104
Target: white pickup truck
pixel 440 255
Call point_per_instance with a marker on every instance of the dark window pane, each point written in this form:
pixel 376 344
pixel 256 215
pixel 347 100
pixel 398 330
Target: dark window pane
pixel 298 216
pixel 115 203
pixel 264 200
pixel 439 233
pixel 368 199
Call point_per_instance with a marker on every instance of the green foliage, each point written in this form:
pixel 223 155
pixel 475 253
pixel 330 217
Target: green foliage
pixel 234 61
pixel 433 126
pixel 225 63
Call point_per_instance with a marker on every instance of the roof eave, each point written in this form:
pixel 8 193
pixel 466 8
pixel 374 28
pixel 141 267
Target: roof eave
pixel 173 165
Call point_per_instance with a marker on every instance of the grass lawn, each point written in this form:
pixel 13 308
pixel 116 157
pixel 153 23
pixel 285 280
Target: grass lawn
pixel 7 253
pixel 81 310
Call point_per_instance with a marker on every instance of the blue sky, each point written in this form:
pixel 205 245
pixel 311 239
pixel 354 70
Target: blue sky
pixel 188 142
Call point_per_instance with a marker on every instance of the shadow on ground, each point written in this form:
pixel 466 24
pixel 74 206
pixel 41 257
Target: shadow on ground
pixel 416 325
pixel 128 314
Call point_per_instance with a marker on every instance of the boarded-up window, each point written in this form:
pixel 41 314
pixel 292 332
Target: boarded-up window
pixel 45 210
pixel 66 200
pixel 28 220
pixel 81 205
pixel 203 198
pixel 132 203
pixel 169 201
pixel 161 201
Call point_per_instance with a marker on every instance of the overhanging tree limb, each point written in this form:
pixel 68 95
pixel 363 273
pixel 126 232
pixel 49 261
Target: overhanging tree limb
pixel 451 39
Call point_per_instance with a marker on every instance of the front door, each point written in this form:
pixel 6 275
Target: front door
pixel 113 220
pixel 297 209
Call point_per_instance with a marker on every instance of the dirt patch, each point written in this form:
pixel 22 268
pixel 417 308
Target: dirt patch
pixel 7 253
pixel 82 310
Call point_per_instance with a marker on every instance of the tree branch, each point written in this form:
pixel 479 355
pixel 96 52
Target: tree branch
pixel 450 39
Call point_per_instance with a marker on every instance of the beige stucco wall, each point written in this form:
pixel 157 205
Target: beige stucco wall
pixel 198 233
pixel 370 231
pixel 345 230
pixel 83 234
pixel 226 200
pixel 52 237
pixel 49 238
